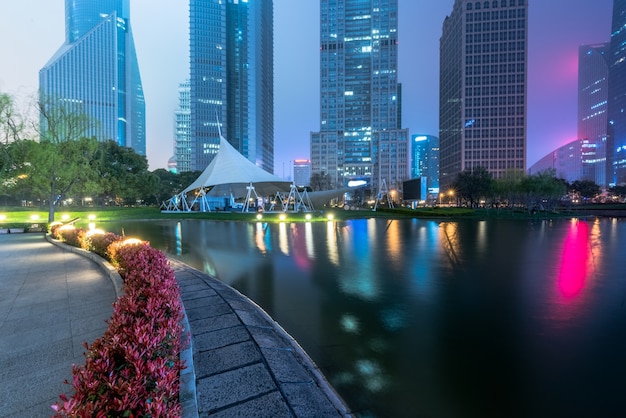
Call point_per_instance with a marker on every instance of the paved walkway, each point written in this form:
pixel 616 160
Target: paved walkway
pixel 52 300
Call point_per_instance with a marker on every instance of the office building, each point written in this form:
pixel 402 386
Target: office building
pixel 483 84
pixel 361 135
pixel 302 173
pixel 425 161
pixel 566 161
pixel 95 73
pixel 182 142
pixel 231 85
pixel 616 128
pixel 593 83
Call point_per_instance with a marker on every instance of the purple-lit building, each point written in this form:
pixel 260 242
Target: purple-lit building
pixel 616 131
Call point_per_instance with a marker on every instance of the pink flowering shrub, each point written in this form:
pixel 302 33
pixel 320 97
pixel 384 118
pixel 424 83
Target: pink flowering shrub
pixel 133 369
pixel 70 236
pixel 99 243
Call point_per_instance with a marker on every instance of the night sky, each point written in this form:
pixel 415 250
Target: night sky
pixel 32 31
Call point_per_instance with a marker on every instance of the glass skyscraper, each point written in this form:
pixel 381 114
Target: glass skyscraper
pixel 360 133
pixel 616 131
pixel 425 160
pixel 482 90
pixel 593 83
pixel 95 72
pixel 232 79
pixel 182 144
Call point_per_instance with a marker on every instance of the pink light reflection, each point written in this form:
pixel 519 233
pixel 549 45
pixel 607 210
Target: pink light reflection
pixel 575 259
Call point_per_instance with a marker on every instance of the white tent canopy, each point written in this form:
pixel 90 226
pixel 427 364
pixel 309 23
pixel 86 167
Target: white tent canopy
pixel 230 175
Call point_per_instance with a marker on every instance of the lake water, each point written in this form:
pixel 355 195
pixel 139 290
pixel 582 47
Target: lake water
pixel 424 318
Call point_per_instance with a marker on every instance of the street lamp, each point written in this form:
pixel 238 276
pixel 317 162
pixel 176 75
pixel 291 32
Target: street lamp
pixel 451 194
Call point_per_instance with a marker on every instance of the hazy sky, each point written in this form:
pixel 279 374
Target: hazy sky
pixel 32 30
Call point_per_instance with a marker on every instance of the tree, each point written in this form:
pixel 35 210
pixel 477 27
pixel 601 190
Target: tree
pixel 585 188
pixel 471 185
pixel 11 122
pixel 320 181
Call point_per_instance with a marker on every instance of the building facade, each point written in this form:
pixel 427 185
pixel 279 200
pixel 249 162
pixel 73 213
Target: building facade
pixel 95 73
pixel 425 160
pixel 361 135
pixel 482 91
pixel 302 173
pixel 231 85
pixel 593 84
pixel 182 142
pixel 566 161
pixel 616 128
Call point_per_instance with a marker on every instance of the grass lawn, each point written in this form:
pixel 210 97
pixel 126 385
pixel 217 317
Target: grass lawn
pixel 18 217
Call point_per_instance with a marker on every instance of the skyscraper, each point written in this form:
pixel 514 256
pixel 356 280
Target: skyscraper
pixel 360 133
pixel 232 79
pixel 425 160
pixel 482 90
pixel 182 143
pixel 593 83
pixel 616 130
pixel 95 72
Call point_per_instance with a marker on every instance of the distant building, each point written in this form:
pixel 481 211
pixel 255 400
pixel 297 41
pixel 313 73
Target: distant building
pixel 171 165
pixel 95 72
pixel 425 160
pixel 616 131
pixel 182 142
pixel 302 173
pixel 361 135
pixel 232 79
pixel 593 83
pixel 566 161
pixel 482 88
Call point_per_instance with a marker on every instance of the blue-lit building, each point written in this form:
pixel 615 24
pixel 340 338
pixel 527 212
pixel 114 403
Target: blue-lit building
pixel 232 79
pixel 95 72
pixel 361 135
pixel 593 84
pixel 482 88
pixel 616 131
pixel 425 160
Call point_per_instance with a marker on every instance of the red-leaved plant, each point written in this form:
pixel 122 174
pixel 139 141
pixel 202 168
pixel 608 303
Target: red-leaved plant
pixel 133 369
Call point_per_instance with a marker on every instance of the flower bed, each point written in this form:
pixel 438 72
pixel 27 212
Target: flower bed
pixel 134 368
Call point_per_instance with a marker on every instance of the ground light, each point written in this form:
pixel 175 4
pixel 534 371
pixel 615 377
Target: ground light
pixel 308 217
pixel 330 217
pixel 34 217
pixel 91 217
pixel 3 217
pixel 259 216
pixel 65 216
pixel 132 241
pixel 282 217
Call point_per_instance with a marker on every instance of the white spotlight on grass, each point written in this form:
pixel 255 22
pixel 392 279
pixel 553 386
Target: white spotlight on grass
pixel 308 217
pixel 282 217
pixel 91 217
pixel 259 217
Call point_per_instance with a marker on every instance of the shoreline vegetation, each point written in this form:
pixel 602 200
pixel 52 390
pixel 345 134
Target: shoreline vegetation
pixel 33 219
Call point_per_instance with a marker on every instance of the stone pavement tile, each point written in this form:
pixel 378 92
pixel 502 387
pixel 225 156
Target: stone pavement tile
pixel 21 320
pixel 233 387
pixel 271 405
pixel 212 306
pixel 20 311
pixel 220 338
pixel 205 303
pixel 268 338
pixel 226 358
pixel 194 286
pixel 252 318
pixel 307 400
pixel 32 359
pixel 214 323
pixel 13 343
pixel 285 366
pixel 198 294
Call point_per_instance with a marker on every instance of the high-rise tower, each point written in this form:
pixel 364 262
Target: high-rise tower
pixel 593 81
pixel 95 72
pixel 360 133
pixel 232 79
pixel 616 130
pixel 482 88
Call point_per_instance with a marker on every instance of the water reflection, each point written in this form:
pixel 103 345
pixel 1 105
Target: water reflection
pixel 431 318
